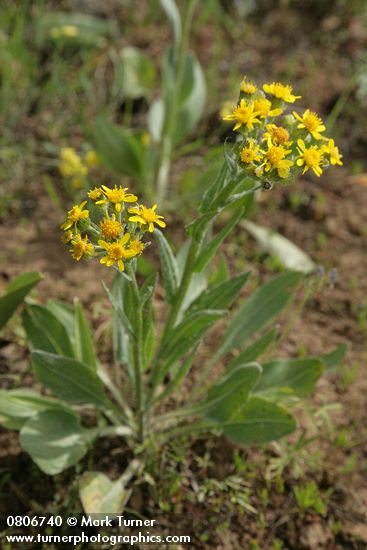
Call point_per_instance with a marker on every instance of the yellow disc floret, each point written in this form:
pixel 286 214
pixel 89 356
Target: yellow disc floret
pixel 116 252
pixel 275 159
pixel 76 214
pixel 146 216
pixel 310 157
pixel 311 122
pixel 251 153
pixel 81 247
pixel 244 114
pixel 276 135
pixel 110 228
pixel 281 91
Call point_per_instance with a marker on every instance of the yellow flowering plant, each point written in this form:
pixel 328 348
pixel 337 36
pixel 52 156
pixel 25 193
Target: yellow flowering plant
pixel 75 168
pixel 249 400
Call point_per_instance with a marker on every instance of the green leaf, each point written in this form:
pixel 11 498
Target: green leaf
pixel 333 359
pixel 169 268
pixel 220 296
pixel 209 251
pixel 259 421
pixel 255 350
pixel 171 9
pixel 229 394
pixel 214 190
pixel 66 315
pixel 84 346
pixel 189 332
pixel 17 406
pixel 100 495
pixel 134 73
pixel 297 376
pixel 193 98
pixel 68 379
pixel 15 293
pixel 45 332
pixel 156 116
pixel 257 312
pixel 119 149
pixel 55 440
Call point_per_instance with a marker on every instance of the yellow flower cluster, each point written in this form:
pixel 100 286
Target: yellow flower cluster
pixel 68 31
pixel 277 150
pixel 115 233
pixel 75 168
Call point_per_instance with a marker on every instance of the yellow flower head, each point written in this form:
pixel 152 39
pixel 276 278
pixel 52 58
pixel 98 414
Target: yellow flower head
pixel 251 153
pixel 146 216
pixel 95 193
pixel 244 114
pixel 70 30
pixel 275 159
pixel 281 91
pixel 310 157
pixel 76 214
pixel 81 247
pixel 71 164
pixel 91 159
pixel 67 236
pixel 248 87
pixel 116 252
pixel 117 196
pixel 110 228
pixel 334 154
pixel 136 247
pixel 311 122
pixel 263 107
pixel 276 135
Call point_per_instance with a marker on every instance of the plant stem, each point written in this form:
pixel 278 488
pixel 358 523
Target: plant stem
pixel 171 106
pixel 138 347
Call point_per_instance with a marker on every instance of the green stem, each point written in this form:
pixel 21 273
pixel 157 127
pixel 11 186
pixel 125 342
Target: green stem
pixel 138 347
pixel 165 152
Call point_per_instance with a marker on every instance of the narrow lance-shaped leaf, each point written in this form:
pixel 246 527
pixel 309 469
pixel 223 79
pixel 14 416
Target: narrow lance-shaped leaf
pixel 220 296
pixel 230 393
pixel 169 268
pixel 45 332
pixel 68 379
pixel 254 351
pixel 173 14
pixel 208 252
pixel 83 339
pixel 257 312
pixel 297 376
pixel 15 293
pixel 333 359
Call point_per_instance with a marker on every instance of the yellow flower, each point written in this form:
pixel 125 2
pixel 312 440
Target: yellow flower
pixel 116 252
pixel 75 214
pixel 333 151
pixel 251 152
pixel 67 236
pixel 146 139
pixel 275 159
pixel 146 216
pixel 248 87
pixel 71 164
pixel 81 247
pixel 263 107
pixel 311 122
pixel 110 229
pixel 91 159
pixel 281 91
pixel 77 182
pixel 117 195
pixel 310 157
pixel 276 135
pixel 136 247
pixel 95 193
pixel 244 114
pixel 70 30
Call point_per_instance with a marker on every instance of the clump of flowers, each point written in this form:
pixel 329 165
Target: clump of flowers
pixel 75 168
pixel 67 31
pixel 112 229
pixel 275 145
